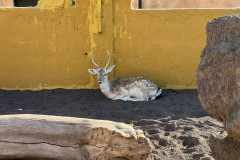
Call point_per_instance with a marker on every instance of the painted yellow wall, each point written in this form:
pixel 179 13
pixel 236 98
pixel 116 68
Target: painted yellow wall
pixel 163 45
pixel 43 47
pixel 55 3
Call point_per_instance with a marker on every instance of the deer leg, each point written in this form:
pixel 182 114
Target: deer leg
pixel 134 99
pixel 143 96
pixel 154 95
pixel 127 98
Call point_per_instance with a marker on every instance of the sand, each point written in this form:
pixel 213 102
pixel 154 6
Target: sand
pixel 176 124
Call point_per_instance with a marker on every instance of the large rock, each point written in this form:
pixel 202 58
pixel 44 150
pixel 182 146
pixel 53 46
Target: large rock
pixel 218 74
pixel 52 137
pixel 224 147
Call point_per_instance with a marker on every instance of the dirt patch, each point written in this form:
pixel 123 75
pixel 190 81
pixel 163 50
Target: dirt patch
pixel 176 124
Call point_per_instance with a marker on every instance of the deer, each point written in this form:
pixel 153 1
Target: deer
pixel 125 89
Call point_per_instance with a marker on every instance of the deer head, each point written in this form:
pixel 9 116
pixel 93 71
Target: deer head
pixel 102 73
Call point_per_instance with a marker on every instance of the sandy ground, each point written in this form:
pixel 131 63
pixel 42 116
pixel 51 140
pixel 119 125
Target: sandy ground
pixel 176 124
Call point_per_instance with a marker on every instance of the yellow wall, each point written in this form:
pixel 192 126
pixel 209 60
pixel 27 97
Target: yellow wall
pixel 163 45
pixel 43 47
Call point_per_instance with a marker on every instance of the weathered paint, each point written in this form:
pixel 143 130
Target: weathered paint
pixel 55 3
pixel 44 47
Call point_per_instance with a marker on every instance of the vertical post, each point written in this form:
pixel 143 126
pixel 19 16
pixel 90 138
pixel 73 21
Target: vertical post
pixel 139 4
pixel 99 16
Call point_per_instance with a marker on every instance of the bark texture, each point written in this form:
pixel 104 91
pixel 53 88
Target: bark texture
pixel 66 138
pixel 218 74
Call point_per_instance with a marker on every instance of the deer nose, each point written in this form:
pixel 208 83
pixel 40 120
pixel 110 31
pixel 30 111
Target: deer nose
pixel 99 82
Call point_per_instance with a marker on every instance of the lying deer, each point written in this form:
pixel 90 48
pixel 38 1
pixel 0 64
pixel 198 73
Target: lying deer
pixel 126 89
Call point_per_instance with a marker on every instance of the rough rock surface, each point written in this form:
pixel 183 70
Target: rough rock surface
pixel 218 74
pixel 52 137
pixel 224 147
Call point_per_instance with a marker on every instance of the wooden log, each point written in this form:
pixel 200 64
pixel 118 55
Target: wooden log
pixel 53 137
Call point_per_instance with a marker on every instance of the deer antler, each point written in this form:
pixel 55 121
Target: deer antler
pixel 93 60
pixel 108 59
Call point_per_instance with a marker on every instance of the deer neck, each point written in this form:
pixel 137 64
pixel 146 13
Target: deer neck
pixel 105 87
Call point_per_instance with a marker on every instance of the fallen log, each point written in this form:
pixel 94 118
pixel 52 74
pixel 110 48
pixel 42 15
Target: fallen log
pixel 53 137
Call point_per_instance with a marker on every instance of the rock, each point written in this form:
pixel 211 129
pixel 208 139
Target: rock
pixel 66 138
pixel 224 147
pixel 218 74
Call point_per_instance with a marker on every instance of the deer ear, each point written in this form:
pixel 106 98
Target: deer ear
pixel 110 69
pixel 92 71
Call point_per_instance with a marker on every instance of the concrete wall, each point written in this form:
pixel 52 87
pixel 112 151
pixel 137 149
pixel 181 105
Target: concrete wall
pixel 6 3
pixel 164 4
pixel 163 45
pixel 50 46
